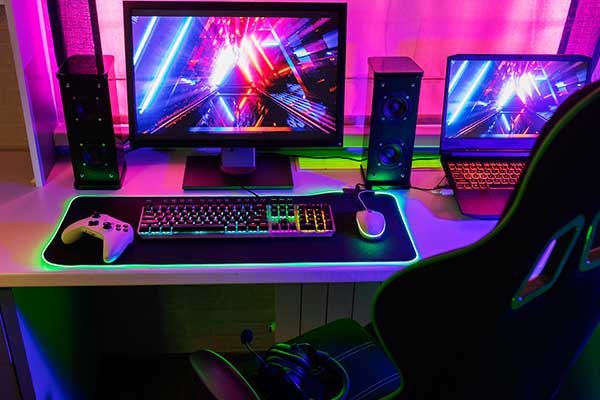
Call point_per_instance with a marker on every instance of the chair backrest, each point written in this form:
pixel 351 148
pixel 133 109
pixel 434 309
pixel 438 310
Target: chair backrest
pixel 507 316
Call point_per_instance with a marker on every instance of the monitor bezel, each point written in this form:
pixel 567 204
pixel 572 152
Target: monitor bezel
pixel 132 8
pixel 487 144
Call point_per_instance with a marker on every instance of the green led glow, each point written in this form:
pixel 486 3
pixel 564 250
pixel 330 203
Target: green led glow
pixel 332 163
pixel 329 163
pixel 52 266
pixel 417 163
pixel 590 230
pixel 588 261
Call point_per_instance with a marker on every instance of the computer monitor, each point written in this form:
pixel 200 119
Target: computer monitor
pixel 502 101
pixel 236 76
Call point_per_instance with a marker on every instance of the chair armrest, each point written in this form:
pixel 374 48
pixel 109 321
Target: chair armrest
pixel 220 377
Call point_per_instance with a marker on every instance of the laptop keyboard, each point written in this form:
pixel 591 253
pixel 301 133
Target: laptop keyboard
pixel 485 175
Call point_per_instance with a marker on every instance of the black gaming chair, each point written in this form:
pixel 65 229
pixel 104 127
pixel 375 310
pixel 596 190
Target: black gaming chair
pixel 471 324
pixel 505 317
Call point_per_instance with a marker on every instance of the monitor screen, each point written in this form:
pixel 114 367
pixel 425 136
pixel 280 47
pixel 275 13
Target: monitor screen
pixel 235 74
pixel 512 98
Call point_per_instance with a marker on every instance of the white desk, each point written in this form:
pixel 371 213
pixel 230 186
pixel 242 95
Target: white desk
pixel 166 305
pixel 28 216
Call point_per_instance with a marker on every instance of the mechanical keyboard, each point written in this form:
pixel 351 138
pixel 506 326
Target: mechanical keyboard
pixel 484 175
pixel 234 217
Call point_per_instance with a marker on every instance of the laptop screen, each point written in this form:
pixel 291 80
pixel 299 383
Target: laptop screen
pixel 501 102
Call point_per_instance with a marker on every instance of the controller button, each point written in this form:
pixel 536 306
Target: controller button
pixel 93 222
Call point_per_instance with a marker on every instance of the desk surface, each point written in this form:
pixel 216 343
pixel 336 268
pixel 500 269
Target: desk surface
pixel 29 215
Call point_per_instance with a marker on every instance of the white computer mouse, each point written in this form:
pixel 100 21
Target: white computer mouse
pixel 371 224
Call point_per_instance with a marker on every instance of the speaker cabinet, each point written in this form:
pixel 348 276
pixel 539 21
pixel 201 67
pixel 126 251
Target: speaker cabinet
pixel 393 99
pixel 98 160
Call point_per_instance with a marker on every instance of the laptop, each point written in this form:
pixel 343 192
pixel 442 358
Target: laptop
pixel 495 106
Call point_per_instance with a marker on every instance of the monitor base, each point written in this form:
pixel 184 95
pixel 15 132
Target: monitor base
pixel 204 173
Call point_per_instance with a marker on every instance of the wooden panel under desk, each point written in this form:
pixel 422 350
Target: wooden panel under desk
pixel 151 320
pixel 12 126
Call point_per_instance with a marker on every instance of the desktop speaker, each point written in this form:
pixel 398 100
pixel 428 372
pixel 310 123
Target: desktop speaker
pixel 393 97
pixel 97 157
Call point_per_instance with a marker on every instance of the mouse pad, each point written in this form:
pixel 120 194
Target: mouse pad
pixel 345 246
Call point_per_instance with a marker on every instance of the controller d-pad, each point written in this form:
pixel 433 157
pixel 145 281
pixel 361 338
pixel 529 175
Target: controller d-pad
pixel 107 225
pixel 93 222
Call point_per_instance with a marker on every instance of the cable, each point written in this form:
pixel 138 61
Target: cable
pixel 361 200
pixel 229 179
pixel 246 338
pixel 438 186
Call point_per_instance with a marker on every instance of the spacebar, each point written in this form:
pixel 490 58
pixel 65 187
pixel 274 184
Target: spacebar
pixel 177 228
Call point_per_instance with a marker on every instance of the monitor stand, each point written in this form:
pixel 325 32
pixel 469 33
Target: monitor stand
pixel 237 167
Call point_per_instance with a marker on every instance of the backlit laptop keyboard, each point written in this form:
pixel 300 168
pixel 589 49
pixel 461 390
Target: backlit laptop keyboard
pixel 485 175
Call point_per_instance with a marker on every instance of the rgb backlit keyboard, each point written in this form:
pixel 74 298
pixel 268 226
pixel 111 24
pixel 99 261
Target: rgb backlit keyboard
pixel 234 217
pixel 485 175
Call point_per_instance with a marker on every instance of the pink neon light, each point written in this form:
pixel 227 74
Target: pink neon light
pixel 542 262
pixel 427 30
pixel 261 51
pixel 250 52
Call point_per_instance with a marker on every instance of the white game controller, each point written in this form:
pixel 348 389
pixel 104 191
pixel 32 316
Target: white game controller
pixel 115 234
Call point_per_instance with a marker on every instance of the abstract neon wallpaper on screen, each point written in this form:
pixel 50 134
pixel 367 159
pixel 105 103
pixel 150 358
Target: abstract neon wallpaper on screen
pixel 234 75
pixel 507 98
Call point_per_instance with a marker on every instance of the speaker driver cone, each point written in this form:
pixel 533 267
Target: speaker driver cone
pixel 394 108
pixel 390 154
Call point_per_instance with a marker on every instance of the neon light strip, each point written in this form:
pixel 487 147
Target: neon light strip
pixel 247 47
pixel 164 68
pixel 144 41
pixel 535 86
pixel 246 72
pixel 287 58
pixel 550 86
pixel 457 76
pixel 470 92
pixel 261 51
pixel 244 100
pixel 542 262
pixel 227 110
pixel 268 43
pixel 506 124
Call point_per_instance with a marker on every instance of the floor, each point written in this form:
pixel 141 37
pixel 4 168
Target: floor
pixel 166 377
